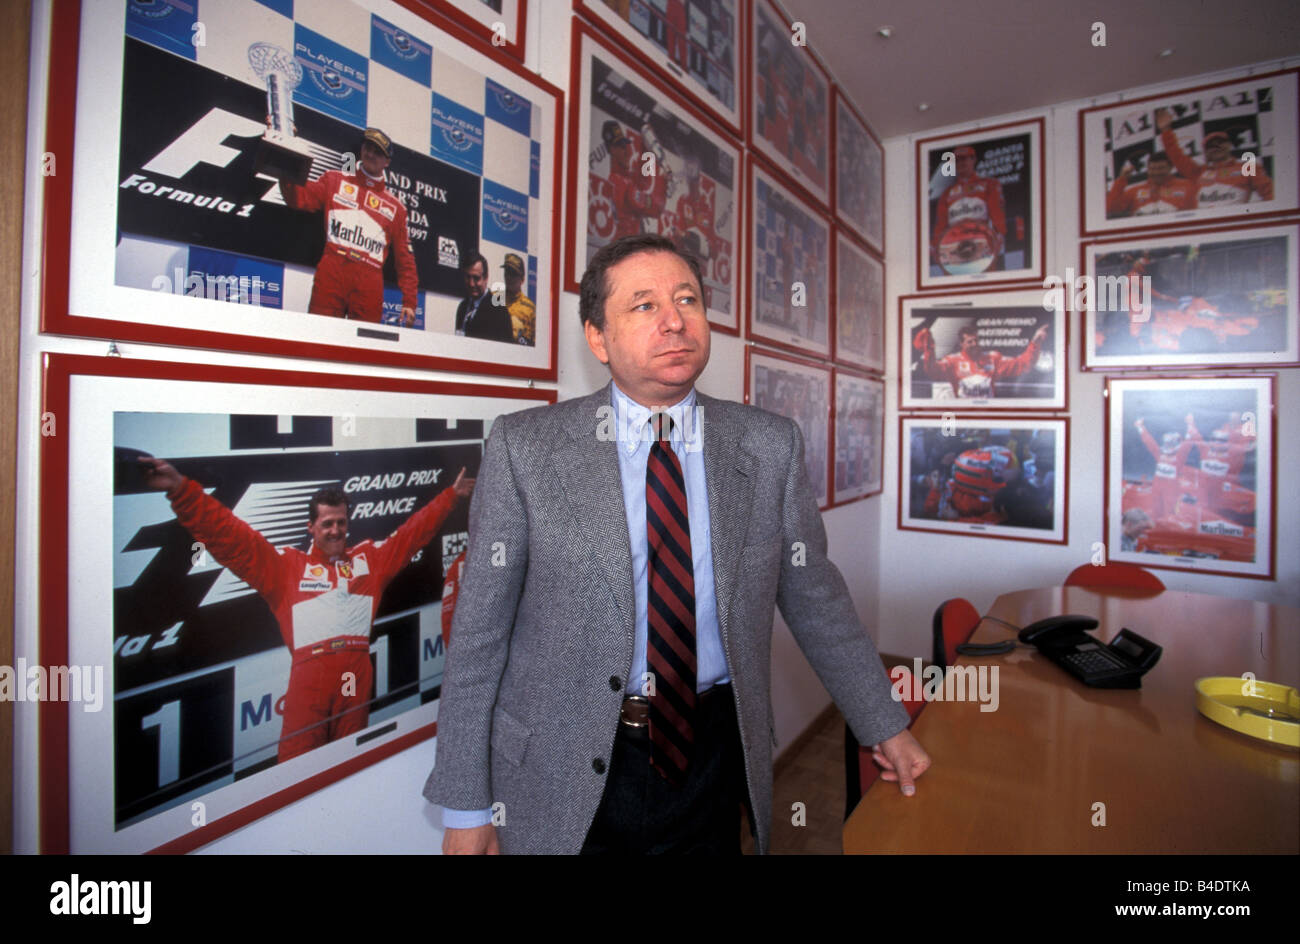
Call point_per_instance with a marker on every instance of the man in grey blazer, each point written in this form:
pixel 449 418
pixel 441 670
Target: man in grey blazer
pixel 539 712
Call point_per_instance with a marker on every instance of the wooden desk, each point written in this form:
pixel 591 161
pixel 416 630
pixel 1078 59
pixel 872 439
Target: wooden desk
pixel 1025 778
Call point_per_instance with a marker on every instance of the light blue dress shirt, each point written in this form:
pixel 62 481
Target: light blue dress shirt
pixel 631 425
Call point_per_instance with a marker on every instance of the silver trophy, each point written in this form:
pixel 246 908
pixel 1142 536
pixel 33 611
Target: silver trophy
pixel 280 153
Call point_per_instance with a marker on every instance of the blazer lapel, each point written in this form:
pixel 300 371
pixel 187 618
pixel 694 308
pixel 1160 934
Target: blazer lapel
pixel 586 467
pixel 729 471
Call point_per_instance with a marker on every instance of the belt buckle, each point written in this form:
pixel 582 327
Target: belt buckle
pixel 635 712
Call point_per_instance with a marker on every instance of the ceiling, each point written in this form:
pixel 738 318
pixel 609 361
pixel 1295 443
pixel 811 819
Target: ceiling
pixel 971 60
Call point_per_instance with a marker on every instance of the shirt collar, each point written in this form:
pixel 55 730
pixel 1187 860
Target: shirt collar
pixel 632 419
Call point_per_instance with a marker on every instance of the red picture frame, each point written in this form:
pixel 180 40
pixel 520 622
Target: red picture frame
pixel 929 498
pixel 1194 116
pixel 814 420
pixel 1198 519
pixel 81 295
pixel 799 171
pixel 977 224
pixel 669 67
pixel 806 265
pixel 74 441
pixel 873 232
pixel 512 40
pixel 684 133
pixel 840 418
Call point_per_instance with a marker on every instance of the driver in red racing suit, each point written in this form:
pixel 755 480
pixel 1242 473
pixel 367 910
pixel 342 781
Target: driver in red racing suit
pixel 324 600
pixel 973 371
pixel 363 222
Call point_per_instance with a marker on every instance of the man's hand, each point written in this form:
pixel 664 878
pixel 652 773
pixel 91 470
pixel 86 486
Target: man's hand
pixel 480 840
pixel 1164 120
pixel 1040 335
pixel 408 317
pixel 902 760
pixel 464 487
pixel 161 475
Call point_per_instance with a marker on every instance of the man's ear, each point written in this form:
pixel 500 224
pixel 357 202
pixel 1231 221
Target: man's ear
pixel 596 341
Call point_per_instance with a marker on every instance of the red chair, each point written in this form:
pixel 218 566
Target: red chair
pixel 860 772
pixel 1114 575
pixel 954 623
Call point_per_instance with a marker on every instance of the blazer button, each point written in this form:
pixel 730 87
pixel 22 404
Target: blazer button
pixel 598 765
pixel 615 683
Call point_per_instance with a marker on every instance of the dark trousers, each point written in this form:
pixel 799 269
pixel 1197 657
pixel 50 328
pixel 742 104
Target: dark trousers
pixel 641 813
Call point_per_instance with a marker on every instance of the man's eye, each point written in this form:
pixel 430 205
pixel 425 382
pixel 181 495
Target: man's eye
pixel 687 300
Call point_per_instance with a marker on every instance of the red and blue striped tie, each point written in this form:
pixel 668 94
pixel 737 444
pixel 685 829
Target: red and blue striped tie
pixel 670 609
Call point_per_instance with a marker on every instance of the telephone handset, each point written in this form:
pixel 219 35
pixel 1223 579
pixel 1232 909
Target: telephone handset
pixel 1118 665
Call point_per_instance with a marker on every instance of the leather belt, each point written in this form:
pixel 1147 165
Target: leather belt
pixel 635 712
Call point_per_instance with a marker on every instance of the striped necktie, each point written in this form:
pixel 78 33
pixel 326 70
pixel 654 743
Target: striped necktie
pixel 670 609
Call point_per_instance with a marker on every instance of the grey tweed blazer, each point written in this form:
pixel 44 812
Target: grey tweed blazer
pixel 541 644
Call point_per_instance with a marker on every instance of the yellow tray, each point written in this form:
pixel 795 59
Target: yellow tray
pixel 1270 713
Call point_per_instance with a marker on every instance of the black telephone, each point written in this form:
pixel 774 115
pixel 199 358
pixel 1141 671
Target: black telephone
pixel 1118 665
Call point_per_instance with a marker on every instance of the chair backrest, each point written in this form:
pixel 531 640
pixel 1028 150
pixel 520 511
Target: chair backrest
pixel 954 622
pixel 1111 574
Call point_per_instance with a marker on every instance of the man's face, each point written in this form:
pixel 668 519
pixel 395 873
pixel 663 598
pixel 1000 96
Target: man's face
pixel 514 282
pixel 373 161
pixel 970 344
pixel 620 156
pixel 476 281
pixel 656 335
pixel 1137 527
pixel 329 532
pixel 1218 150
pixel 966 165
pixel 1158 171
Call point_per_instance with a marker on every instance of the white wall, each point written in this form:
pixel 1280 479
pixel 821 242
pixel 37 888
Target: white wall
pixel 918 570
pixel 378 809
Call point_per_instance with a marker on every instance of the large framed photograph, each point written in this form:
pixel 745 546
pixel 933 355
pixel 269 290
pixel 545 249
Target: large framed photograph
pixel 984 476
pixel 859 306
pixel 789 265
pixel 1200 298
pixel 699 46
pixel 998 350
pixel 859 436
pixel 1190 467
pixel 790 118
pixel 859 175
pixel 351 182
pixel 653 164
pixel 980 207
pixel 800 390
pixel 1213 152
pixel 253 562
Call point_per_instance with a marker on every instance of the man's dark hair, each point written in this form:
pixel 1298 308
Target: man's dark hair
pixel 472 260
pixel 329 495
pixel 968 329
pixel 595 287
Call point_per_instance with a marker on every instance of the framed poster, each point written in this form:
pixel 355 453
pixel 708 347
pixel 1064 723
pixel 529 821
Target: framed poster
pixel 1198 298
pixel 799 390
pixel 859 306
pixel 1212 152
pixel 500 23
pixel 859 436
pixel 997 350
pixel 1189 474
pixel 180 239
pixel 790 118
pixel 859 175
pixel 697 45
pixel 654 164
pixel 984 476
pixel 980 208
pixel 789 268
pixel 213 616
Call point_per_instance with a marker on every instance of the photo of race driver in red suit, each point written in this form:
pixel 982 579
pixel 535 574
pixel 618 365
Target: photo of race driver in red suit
pixel 364 223
pixel 324 599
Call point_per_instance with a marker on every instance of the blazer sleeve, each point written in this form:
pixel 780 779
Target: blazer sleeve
pixel 495 565
pixel 815 602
